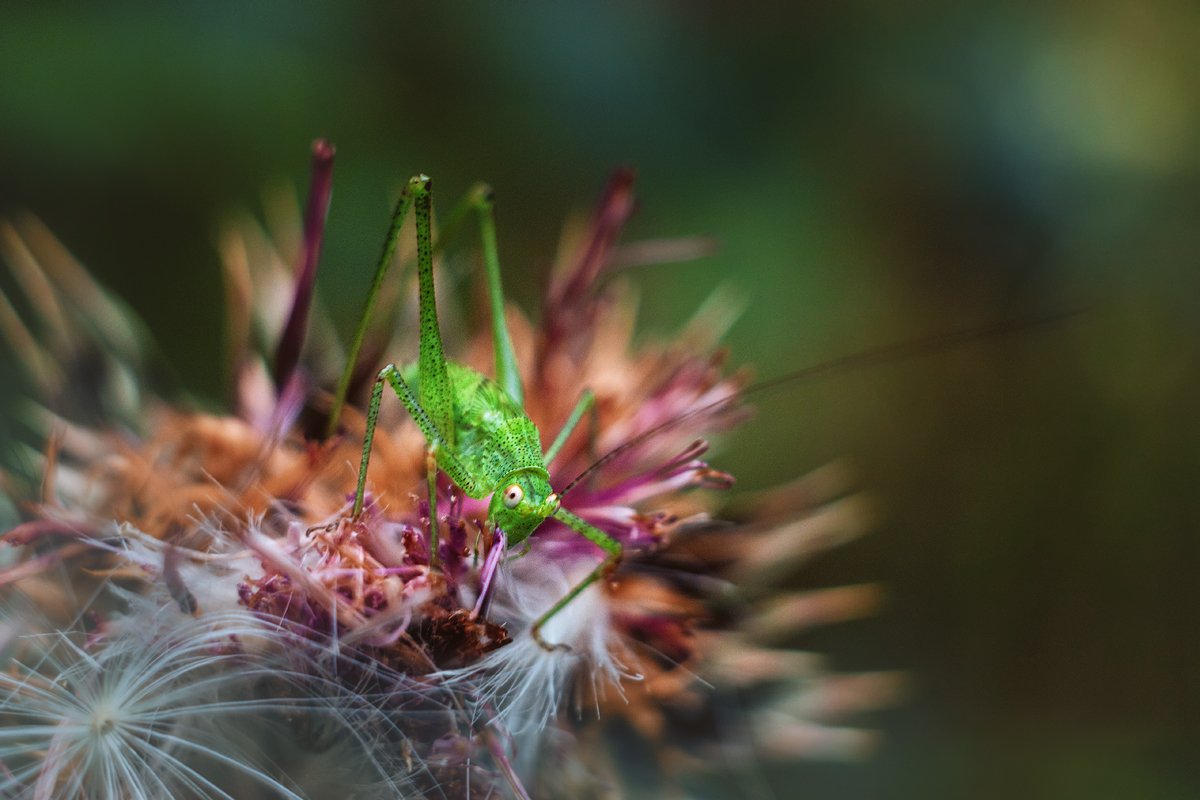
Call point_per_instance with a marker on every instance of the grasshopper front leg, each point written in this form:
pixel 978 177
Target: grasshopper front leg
pixel 602 540
pixel 444 454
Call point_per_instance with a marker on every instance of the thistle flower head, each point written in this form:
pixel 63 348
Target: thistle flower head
pixel 240 521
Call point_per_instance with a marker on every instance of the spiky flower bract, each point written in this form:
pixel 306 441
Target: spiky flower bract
pixel 231 539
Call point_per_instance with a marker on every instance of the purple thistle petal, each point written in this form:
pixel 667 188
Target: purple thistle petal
pixel 24 569
pixel 287 409
pixel 488 573
pixel 662 251
pixel 497 747
pixel 287 355
pixel 612 212
pixel 569 296
pixel 28 532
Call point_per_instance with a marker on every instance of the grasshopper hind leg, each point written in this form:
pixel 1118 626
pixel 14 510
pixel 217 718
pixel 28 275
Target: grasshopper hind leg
pixel 443 456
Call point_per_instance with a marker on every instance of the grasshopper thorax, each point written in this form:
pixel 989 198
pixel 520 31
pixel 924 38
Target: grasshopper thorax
pixel 521 501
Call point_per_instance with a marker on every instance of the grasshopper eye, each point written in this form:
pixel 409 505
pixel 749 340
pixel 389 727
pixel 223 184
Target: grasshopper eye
pixel 513 496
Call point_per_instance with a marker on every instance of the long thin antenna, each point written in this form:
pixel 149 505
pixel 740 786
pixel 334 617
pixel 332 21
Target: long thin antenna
pixel 912 348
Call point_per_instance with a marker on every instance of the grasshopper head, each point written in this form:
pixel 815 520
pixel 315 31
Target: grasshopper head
pixel 520 503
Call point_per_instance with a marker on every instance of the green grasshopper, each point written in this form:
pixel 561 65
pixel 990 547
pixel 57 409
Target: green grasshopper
pixel 476 429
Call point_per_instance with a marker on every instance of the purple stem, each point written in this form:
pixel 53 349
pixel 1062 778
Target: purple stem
pixel 487 573
pixel 287 355
pixel 506 767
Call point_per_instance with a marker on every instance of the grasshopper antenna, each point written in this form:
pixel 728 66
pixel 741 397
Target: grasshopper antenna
pixel 912 348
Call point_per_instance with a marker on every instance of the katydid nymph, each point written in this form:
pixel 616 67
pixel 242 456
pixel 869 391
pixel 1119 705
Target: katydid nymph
pixel 476 429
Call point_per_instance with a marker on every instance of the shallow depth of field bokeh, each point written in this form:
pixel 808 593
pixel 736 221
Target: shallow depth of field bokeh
pixel 874 172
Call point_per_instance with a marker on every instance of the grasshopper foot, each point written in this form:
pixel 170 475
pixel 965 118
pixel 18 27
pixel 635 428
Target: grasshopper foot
pixel 536 630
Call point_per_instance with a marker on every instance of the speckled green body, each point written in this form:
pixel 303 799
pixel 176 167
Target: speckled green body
pixel 497 445
pixel 489 432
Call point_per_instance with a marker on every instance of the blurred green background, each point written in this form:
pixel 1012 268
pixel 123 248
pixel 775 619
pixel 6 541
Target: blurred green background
pixel 874 171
